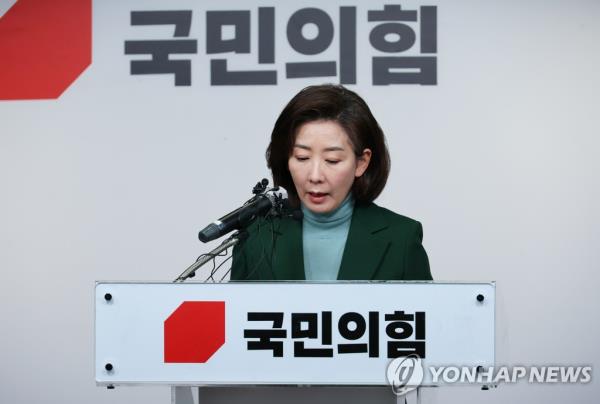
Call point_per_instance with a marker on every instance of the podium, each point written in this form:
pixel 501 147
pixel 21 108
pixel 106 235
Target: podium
pixel 294 341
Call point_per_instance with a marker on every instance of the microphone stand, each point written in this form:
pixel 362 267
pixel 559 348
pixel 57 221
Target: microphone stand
pixel 235 238
pixel 230 242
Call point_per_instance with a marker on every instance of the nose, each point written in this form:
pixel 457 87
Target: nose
pixel 315 175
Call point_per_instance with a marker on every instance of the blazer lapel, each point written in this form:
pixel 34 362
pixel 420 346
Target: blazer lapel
pixel 288 262
pixel 366 245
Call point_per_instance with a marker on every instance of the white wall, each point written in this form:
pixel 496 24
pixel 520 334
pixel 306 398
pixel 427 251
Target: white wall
pixel 499 161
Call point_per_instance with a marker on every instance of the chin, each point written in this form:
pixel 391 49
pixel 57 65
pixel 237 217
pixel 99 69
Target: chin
pixel 321 209
pixel 324 208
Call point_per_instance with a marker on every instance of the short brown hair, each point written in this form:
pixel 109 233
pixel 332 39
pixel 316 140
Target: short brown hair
pixel 334 103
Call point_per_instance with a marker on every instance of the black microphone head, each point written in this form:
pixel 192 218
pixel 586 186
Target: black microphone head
pixel 209 233
pixel 297 214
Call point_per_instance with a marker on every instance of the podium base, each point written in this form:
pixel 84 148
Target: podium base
pixel 298 395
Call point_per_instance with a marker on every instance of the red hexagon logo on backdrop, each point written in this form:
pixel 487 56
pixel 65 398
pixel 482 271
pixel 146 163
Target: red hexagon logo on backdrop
pixel 44 47
pixel 194 332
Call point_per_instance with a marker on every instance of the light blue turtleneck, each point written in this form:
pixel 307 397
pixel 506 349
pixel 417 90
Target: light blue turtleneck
pixel 324 237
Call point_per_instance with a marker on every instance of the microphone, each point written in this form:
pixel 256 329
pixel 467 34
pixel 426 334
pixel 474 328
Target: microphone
pixel 260 205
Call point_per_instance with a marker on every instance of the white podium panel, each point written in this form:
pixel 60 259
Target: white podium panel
pixel 287 333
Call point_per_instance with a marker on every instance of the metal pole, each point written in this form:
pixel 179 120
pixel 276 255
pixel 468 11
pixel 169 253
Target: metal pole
pixel 230 242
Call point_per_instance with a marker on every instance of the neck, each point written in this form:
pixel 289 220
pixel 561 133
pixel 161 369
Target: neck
pixel 337 216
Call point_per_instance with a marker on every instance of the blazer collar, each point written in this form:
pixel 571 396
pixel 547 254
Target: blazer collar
pixel 366 244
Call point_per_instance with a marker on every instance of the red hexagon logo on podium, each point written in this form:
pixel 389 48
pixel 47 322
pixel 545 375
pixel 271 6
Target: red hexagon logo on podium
pixel 194 332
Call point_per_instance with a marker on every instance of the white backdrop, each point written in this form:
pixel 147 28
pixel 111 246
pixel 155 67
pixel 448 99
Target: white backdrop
pixel 113 180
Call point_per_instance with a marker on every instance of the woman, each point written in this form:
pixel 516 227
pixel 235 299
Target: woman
pixel 328 151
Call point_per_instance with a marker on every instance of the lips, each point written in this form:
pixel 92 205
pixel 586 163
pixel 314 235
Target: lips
pixel 317 197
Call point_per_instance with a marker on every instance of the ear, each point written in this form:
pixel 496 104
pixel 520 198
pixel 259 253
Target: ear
pixel 362 162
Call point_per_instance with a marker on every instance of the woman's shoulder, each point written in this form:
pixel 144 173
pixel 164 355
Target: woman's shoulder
pixel 379 214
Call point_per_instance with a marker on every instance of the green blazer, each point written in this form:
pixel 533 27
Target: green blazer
pixel 381 245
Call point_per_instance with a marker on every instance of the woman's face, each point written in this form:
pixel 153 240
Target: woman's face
pixel 323 165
